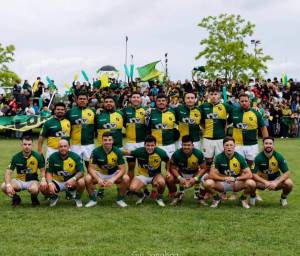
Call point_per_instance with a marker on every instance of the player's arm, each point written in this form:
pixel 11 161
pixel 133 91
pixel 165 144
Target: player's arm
pixel 7 179
pixel 175 171
pixel 49 178
pixel 246 174
pixel 126 152
pixel 120 173
pixel 40 144
pixel 280 179
pixel 92 172
pixel 215 175
pixel 200 172
pixel 264 132
pixel 257 178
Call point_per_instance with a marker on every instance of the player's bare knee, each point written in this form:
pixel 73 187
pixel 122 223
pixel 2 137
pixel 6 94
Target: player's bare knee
pixel 81 183
pixel 125 179
pixel 3 187
pixel 288 183
pixel 33 190
pixel 251 184
pixel 88 179
pixel 209 184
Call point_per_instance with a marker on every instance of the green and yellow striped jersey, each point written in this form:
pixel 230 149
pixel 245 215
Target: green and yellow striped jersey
pixel 162 125
pixel 188 122
pixel 107 163
pixel 135 124
pixel 188 164
pixel 245 126
pixel 82 125
pixel 270 168
pixel 26 167
pixel 54 130
pixel 213 119
pixel 149 165
pixel 110 122
pixel 64 169
pixel 230 167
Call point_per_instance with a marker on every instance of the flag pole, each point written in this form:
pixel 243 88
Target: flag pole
pixel 126 40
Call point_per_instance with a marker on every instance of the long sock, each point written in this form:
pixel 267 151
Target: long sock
pixel 93 196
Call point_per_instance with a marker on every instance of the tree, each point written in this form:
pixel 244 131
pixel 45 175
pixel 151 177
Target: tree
pixel 225 49
pixel 7 77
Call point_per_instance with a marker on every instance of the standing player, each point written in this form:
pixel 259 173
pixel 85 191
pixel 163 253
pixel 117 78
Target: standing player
pixel 230 173
pixel 135 125
pixel 162 124
pixel 107 167
pixel 26 163
pixel 269 164
pixel 187 168
pixel 149 159
pixel 82 120
pixel 65 172
pixel 54 129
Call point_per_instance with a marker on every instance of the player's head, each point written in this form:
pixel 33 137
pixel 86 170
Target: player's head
pixel 107 140
pixel 150 143
pixel 59 109
pixel 229 145
pixel 136 99
pixel 244 101
pixel 214 94
pixel 268 143
pixel 187 144
pixel 26 143
pixel 190 99
pixel 109 103
pixel 63 147
pixel 82 99
pixel 161 101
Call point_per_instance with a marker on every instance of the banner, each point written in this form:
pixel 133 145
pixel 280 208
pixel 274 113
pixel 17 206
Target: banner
pixel 148 71
pixel 23 123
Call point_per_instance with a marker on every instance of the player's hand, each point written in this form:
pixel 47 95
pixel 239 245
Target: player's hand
pixel 267 184
pixel 52 188
pixel 70 183
pixel 10 190
pixel 192 182
pixel 109 183
pixel 186 183
pixel 229 179
pixel 101 182
pixel 43 184
pixel 273 185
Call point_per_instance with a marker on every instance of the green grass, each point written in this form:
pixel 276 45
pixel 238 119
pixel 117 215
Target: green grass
pixel 188 229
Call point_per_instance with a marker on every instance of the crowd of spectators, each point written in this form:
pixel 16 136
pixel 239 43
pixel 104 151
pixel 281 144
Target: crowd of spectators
pixel 278 103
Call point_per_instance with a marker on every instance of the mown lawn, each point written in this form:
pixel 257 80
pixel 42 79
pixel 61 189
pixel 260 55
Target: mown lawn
pixel 188 229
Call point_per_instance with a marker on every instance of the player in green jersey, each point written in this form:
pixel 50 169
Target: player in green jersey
pixel 187 168
pixel 162 122
pixel 26 163
pixel 230 173
pixel 82 120
pixel 54 129
pixel 268 166
pixel 135 125
pixel 65 173
pixel 149 160
pixel 107 167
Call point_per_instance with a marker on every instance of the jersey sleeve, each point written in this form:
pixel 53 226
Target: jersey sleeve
pixel 260 120
pixel 12 164
pixel 163 155
pixel 41 162
pixel 201 158
pixel 79 165
pixel 93 157
pixel 120 157
pixel 44 130
pixel 217 162
pixel 255 165
pixel 282 164
pixel 174 158
pixel 243 162
pixel 50 164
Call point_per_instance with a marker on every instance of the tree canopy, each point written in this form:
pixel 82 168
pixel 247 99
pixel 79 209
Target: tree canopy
pixel 226 50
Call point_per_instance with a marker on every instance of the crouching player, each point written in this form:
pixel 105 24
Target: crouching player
pixel 187 168
pixel 268 165
pixel 64 172
pixel 107 167
pixel 149 160
pixel 26 163
pixel 230 173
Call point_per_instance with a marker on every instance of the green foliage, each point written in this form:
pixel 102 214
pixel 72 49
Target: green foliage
pixel 7 77
pixel 225 48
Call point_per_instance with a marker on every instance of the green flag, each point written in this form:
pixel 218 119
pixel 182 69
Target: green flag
pixel 147 70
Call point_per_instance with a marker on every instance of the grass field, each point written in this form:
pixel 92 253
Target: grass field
pixel 188 229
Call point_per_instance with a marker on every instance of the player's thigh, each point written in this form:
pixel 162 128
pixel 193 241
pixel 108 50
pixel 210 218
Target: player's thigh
pixel 158 180
pixel 137 184
pixel 285 184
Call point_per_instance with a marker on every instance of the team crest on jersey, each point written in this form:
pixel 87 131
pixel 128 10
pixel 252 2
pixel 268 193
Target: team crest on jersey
pixel 242 126
pixel 109 126
pixel 273 163
pixel 219 108
pixel 161 126
pixel 188 120
pixel 229 172
pixel 71 165
pixel 81 121
pixel 212 115
pixel 135 120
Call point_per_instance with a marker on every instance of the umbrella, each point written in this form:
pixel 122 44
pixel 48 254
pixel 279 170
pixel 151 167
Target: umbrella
pixel 107 68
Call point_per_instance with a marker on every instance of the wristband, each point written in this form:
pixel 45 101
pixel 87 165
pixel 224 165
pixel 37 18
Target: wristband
pixel 74 178
pixel 179 177
pixel 43 179
pixel 197 178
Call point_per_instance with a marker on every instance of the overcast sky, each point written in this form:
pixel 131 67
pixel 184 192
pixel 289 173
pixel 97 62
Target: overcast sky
pixel 59 38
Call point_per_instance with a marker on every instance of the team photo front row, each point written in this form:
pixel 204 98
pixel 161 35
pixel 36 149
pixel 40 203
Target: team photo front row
pixel 186 168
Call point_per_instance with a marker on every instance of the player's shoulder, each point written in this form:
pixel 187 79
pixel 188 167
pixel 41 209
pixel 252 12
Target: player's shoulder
pixel 74 155
pixel 197 152
pixel 278 156
pixel 117 150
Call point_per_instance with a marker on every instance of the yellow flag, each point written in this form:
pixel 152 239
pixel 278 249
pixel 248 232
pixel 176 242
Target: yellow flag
pixel 35 86
pixel 66 85
pixel 104 80
pixel 76 77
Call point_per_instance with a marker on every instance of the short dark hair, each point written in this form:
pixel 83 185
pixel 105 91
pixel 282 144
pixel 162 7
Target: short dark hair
pixel 26 137
pixel 107 134
pixel 268 138
pixel 186 138
pixel 59 104
pixel 110 97
pixel 213 89
pixel 190 93
pixel 82 93
pixel 135 93
pixel 244 95
pixel 161 96
pixel 228 138
pixel 150 138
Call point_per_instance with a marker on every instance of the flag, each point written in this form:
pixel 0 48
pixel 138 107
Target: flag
pixel 225 93
pixel 284 79
pixel 86 78
pixel 148 71
pixel 76 77
pixel 126 70
pixel 131 70
pixel 67 86
pixel 35 86
pixel 49 80
pixel 104 80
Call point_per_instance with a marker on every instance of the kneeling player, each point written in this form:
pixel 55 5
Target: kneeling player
pixel 187 168
pixel 230 173
pixel 107 167
pixel 268 165
pixel 65 173
pixel 26 163
pixel 149 159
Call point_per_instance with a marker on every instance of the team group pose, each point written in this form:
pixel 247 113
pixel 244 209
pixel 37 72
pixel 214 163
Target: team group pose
pixel 162 147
